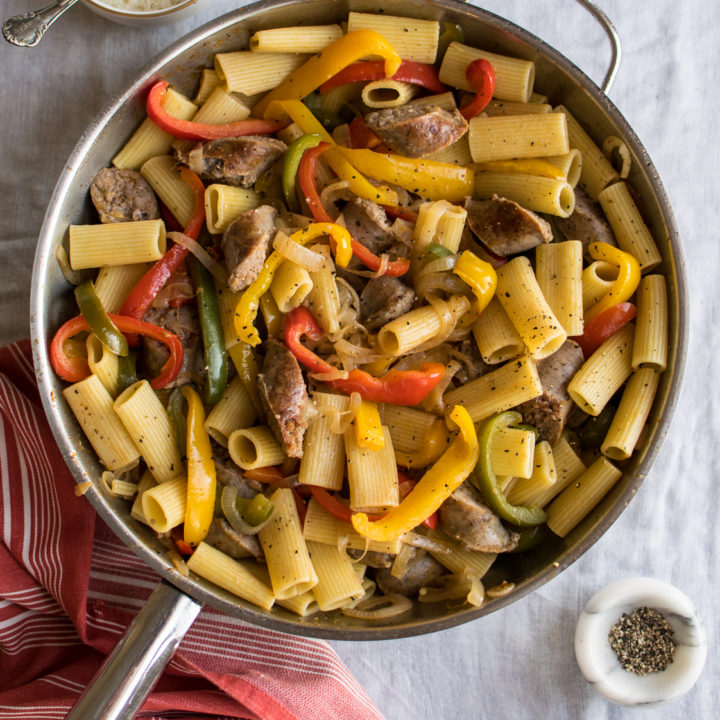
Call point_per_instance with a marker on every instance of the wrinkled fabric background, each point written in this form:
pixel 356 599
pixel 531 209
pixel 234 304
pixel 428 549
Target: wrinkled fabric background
pixel 519 662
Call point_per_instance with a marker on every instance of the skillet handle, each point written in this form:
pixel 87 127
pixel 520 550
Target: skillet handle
pixel 128 674
pixel 614 38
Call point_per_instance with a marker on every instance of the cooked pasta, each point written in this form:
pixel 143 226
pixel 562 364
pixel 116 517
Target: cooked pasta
pixel 315 376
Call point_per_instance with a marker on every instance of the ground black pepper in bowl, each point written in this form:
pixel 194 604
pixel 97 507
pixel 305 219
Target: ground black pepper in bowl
pixel 643 641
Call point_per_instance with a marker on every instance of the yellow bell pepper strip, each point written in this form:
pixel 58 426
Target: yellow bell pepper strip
pixel 247 308
pixel 201 481
pixel 436 485
pixel 479 275
pixel 368 427
pixel 330 61
pixel 430 179
pixel 528 166
pixel 308 123
pixel 627 280
pixel 488 483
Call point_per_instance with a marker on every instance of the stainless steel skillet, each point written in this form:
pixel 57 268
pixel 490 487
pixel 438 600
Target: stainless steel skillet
pixel 174 605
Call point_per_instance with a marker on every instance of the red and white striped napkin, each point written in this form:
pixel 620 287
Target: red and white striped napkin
pixel 69 588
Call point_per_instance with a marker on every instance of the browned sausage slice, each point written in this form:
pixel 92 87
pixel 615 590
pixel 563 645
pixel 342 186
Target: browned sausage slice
pixel 417 130
pixel 421 571
pixel 123 196
pixel 504 227
pixel 465 518
pixel 384 299
pixel 284 397
pixel 246 244
pixel 587 222
pixel 233 543
pixel 368 223
pixel 232 161
pixel 549 412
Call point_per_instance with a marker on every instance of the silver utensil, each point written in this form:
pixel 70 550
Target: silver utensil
pixel 27 30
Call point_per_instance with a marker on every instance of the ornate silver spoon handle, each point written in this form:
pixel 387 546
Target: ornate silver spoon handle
pixel 27 30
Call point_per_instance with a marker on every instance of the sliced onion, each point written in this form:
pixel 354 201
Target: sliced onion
pixel 442 264
pixel 363 354
pixel 340 421
pixel 434 401
pixel 236 520
pixel 426 543
pixel 300 255
pixel 379 608
pixel 464 586
pixel 369 588
pixel 331 194
pixel 612 144
pixel 402 561
pixel 202 255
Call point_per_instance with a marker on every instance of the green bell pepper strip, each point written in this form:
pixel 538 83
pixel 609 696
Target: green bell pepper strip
pixel 127 374
pixel 439 250
pixel 451 33
pixel 255 511
pixel 530 537
pixel 97 318
pixel 291 163
pixel 592 432
pixel 487 482
pixel 178 419
pixel 212 332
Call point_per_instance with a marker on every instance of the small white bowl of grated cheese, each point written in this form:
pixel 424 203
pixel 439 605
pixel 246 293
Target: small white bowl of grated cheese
pixel 145 12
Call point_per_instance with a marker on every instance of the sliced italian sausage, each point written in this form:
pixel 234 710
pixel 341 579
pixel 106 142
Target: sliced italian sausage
pixel 123 196
pixel 383 299
pixel 421 570
pixel 587 222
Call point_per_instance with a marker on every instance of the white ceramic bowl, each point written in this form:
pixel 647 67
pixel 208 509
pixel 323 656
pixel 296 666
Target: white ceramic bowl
pixel 600 665
pixel 180 11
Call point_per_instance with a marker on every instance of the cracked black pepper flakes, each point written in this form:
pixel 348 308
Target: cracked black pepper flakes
pixel 643 641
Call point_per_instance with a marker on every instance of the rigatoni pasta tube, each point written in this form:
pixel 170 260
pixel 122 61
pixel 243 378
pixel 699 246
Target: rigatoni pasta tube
pixel 603 372
pixel 147 481
pixel 630 230
pixel 540 194
pixel 650 348
pixel 323 461
pixel 103 363
pixel 503 107
pixel 209 80
pixel 291 570
pixel 597 279
pixel 337 581
pixel 579 498
pixel 496 337
pixel 631 415
pixel 558 268
pixel 456 558
pixel 114 283
pixel 418 326
pixel 372 474
pixel 512 452
pixel 224 203
pixel 149 140
pixel 164 505
pixel 254 447
pixel 92 406
pixel 499 390
pixel 596 171
pixel 321 526
pixel 439 222
pixel 323 298
pixel 387 93
pixel 122 243
pixel 570 164
pixel 507 137
pixel 568 467
pixel 148 424
pixel 514 78
pixel 306 39
pixel 407 426
pixel 175 194
pixel 217 567
pixel 530 491
pixel 249 72
pixel 412 38
pixel 523 301
pixel 234 411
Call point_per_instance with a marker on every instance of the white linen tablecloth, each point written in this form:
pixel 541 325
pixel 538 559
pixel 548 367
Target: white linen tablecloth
pixel 518 662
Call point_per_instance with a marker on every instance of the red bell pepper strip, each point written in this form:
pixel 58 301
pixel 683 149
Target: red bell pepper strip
pixel 141 296
pixel 76 369
pixel 405 485
pixel 415 73
pixel 269 474
pixel 189 130
pixel 306 177
pixel 330 503
pixel 400 212
pixel 398 387
pixel 481 76
pixel 600 328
